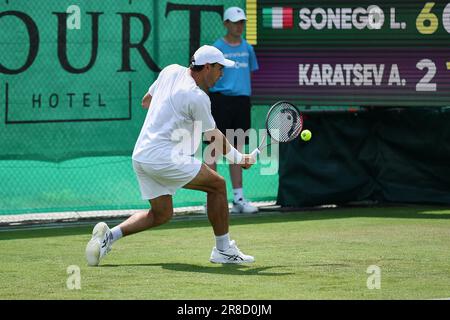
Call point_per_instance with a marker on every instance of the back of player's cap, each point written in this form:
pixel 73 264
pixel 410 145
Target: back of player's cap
pixel 209 54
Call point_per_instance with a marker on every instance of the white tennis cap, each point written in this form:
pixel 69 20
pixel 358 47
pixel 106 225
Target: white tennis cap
pixel 234 14
pixel 209 54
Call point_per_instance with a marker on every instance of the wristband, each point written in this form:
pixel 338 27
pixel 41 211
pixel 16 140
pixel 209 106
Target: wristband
pixel 234 156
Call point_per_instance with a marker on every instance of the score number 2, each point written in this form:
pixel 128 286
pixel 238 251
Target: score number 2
pixel 425 84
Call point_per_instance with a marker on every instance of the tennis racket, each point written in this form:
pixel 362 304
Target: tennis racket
pixel 283 124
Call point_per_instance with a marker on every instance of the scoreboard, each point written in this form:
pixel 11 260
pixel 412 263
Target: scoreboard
pixel 351 53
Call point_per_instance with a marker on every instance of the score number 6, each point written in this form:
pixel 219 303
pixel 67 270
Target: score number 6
pixel 433 21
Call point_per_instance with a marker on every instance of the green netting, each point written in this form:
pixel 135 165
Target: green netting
pixel 70 114
pixel 83 99
pixel 106 183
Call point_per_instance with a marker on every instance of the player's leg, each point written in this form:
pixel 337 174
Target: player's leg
pixel 214 185
pixel 161 212
pixel 103 238
pixel 160 199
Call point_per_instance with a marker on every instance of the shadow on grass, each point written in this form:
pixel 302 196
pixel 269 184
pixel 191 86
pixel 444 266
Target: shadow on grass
pixel 392 212
pixel 230 269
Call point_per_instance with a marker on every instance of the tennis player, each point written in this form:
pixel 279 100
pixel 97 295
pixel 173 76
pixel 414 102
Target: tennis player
pixel 178 103
pixel 230 96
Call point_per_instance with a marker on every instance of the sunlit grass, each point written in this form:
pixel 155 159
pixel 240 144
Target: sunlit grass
pixel 299 255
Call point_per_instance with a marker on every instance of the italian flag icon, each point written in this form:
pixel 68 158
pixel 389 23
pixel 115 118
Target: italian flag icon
pixel 278 18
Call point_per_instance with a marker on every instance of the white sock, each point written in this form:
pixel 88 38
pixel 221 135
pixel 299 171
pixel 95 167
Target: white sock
pixel 223 242
pixel 116 234
pixel 238 194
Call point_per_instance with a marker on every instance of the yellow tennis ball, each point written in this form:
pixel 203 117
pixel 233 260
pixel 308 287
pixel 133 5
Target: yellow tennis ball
pixel 306 135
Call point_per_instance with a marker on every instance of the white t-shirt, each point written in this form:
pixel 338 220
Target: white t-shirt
pixel 178 115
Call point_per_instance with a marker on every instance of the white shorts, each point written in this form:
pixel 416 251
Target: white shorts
pixel 165 179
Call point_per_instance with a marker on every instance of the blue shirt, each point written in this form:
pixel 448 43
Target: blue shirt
pixel 236 80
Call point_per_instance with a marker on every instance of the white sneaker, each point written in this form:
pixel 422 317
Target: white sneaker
pixel 243 206
pixel 231 255
pixel 99 245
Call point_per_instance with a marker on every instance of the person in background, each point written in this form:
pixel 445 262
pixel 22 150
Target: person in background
pixel 230 97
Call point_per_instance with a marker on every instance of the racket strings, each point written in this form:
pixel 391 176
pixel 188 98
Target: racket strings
pixel 284 122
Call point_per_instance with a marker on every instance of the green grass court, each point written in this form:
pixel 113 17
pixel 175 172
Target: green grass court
pixel 321 254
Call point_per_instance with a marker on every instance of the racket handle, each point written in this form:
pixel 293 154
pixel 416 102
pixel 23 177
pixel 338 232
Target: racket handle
pixel 255 153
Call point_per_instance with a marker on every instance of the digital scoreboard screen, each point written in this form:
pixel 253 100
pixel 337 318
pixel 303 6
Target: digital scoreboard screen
pixel 351 53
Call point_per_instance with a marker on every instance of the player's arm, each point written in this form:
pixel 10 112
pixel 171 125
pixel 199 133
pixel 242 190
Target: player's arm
pixel 221 143
pixel 146 100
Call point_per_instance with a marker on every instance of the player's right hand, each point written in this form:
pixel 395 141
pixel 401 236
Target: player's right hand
pixel 247 161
